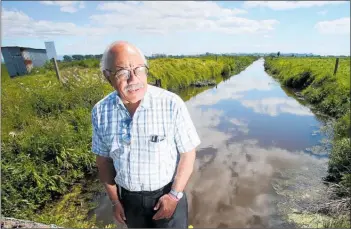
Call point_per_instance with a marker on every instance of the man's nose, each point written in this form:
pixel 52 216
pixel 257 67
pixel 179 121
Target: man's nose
pixel 133 78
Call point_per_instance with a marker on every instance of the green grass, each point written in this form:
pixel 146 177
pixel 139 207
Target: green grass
pixel 4 73
pixel 74 209
pixel 329 94
pixel 314 76
pixel 309 220
pixel 180 73
pixel 46 127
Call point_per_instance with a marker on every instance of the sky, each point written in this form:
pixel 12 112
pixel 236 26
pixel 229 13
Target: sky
pixel 183 27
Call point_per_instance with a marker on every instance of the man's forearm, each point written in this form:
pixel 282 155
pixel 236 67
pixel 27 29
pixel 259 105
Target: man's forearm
pixel 107 174
pixel 184 170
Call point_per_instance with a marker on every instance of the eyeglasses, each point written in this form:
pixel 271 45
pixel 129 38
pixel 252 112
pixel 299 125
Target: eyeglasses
pixel 124 74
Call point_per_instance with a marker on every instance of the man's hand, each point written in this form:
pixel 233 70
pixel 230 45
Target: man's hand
pixel 166 206
pixel 118 212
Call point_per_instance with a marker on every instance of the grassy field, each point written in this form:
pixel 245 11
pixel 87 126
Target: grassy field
pixel 46 131
pixel 314 76
pixel 180 73
pixel 330 94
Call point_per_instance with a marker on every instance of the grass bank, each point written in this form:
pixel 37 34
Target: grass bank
pixel 314 79
pixel 180 73
pixel 46 132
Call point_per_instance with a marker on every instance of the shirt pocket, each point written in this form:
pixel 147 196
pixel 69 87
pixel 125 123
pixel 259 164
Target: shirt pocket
pixel 157 149
pixel 157 146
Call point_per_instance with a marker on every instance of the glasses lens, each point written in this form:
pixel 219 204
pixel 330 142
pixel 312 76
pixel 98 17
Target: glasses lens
pixel 122 74
pixel 140 71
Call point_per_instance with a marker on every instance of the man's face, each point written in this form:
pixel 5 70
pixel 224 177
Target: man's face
pixel 130 79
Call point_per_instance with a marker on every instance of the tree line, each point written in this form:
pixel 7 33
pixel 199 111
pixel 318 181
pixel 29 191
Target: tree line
pixel 80 57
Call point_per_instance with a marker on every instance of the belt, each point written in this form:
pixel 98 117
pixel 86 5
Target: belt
pixel 167 187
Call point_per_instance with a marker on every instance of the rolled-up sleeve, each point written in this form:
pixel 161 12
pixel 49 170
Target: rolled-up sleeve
pixel 186 137
pixel 98 145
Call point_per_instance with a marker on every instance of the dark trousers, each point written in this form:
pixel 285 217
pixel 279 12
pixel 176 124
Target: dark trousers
pixel 139 209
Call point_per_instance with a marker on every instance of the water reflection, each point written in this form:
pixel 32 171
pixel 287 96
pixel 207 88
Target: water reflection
pixel 251 165
pixel 234 186
pixel 275 106
pixel 254 106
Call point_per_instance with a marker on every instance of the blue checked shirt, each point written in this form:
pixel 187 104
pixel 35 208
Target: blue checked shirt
pixel 145 149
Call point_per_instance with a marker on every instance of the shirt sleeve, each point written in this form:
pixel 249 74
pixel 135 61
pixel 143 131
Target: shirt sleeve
pixel 99 147
pixel 186 137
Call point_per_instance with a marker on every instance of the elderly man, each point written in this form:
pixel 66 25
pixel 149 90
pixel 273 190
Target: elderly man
pixel 145 143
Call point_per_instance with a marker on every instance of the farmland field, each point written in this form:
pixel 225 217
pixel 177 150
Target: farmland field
pixel 46 125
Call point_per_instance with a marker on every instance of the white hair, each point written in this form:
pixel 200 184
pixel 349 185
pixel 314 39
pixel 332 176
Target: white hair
pixel 107 55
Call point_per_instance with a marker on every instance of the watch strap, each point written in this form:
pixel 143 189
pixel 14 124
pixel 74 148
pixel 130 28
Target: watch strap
pixel 173 197
pixel 175 194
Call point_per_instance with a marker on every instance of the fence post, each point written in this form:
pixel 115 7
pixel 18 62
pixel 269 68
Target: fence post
pixel 57 70
pixel 336 66
pixel 158 82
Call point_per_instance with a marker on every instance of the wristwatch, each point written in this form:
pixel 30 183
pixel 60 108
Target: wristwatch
pixel 177 195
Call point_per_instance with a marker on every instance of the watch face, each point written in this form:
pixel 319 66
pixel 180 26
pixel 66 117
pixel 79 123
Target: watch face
pixel 180 195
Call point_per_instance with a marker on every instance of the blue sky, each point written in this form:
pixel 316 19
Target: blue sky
pixel 180 27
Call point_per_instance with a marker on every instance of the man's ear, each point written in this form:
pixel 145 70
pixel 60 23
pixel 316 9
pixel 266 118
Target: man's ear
pixel 107 75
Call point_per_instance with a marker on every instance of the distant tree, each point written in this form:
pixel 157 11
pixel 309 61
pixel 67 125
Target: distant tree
pixel 78 57
pixel 67 58
pixel 88 56
pixel 98 56
pixel 278 54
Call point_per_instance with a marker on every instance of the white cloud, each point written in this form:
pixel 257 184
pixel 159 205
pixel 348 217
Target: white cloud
pixel 18 24
pixel 161 17
pixel 241 125
pixel 323 12
pixel 143 17
pixel 66 6
pixel 275 106
pixel 287 5
pixel 338 26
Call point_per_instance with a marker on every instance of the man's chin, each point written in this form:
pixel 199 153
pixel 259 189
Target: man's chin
pixel 135 96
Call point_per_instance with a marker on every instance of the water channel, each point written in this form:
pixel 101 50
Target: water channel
pixel 255 164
